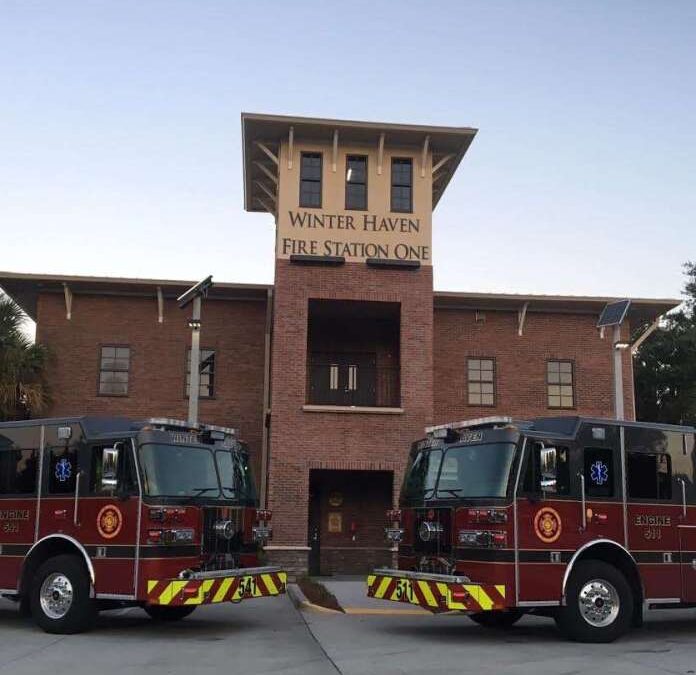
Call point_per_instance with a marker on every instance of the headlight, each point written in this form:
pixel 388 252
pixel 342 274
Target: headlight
pixel 394 534
pixel 482 538
pixel 182 535
pixel 262 533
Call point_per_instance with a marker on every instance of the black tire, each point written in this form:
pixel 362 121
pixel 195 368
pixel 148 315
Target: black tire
pixel 608 603
pixel 497 618
pixel 164 613
pixel 65 616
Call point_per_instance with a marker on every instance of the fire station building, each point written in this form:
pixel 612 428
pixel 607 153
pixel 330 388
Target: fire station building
pixel 334 370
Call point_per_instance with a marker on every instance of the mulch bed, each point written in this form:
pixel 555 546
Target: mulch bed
pixel 318 594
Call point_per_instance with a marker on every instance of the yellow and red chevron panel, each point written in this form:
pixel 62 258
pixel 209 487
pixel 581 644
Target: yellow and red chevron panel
pixel 221 589
pixel 437 596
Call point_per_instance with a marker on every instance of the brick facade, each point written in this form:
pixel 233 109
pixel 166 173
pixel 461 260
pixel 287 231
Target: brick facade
pixel 520 363
pixel 234 329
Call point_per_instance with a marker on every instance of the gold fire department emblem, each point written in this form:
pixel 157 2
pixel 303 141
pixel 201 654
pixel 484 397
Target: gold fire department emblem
pixel 109 521
pixel 547 525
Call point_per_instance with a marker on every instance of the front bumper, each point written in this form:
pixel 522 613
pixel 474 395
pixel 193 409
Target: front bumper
pixel 435 592
pixel 205 588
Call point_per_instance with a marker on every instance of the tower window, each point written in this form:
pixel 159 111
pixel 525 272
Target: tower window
pixel 310 180
pixel 401 185
pixel 356 182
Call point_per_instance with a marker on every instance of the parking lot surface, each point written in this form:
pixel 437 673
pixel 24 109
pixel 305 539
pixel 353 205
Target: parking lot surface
pixel 272 636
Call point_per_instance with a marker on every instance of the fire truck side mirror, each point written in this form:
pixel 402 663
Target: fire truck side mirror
pixel 110 467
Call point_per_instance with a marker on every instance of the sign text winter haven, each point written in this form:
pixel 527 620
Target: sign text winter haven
pixel 354 236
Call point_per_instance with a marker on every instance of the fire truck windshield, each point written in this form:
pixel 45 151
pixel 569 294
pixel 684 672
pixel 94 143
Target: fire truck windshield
pixel 178 471
pixel 468 471
pixel 235 474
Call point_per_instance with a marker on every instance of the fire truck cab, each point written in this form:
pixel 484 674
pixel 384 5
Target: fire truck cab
pixel 98 513
pixel 589 521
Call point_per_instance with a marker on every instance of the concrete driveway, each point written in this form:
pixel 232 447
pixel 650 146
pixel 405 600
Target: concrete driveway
pixel 449 644
pixel 257 636
pixel 272 636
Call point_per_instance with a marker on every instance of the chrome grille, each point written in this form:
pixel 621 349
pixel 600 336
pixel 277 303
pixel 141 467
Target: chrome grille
pixel 218 552
pixel 440 522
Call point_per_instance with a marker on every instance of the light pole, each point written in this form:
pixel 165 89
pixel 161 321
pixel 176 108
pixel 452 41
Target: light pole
pixel 612 316
pixel 194 295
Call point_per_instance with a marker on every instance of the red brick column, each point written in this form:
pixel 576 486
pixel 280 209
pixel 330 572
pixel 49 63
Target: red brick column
pixel 300 439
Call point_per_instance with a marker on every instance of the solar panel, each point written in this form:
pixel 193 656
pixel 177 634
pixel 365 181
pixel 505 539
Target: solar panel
pixel 613 313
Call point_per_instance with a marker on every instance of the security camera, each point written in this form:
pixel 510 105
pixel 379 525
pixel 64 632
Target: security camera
pixel 199 290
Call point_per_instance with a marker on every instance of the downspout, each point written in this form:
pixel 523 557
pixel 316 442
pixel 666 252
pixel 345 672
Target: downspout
pixel 266 417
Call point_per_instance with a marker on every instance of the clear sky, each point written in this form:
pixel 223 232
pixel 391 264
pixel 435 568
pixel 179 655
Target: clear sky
pixel 120 133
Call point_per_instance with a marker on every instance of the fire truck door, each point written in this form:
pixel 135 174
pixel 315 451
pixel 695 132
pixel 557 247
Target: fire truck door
pixel 549 519
pixel 601 482
pixel 18 474
pixel 108 519
pixel 63 474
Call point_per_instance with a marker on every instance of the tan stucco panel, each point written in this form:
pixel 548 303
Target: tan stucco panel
pixel 357 235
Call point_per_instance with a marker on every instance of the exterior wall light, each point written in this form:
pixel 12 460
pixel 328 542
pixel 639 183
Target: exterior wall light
pixel 622 345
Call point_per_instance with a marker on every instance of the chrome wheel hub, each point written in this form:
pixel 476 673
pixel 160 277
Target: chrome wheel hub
pixel 599 603
pixel 56 595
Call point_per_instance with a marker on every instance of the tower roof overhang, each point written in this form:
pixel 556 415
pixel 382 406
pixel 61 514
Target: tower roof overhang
pixel 262 135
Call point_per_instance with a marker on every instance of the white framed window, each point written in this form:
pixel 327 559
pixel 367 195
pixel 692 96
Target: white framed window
pixel 559 384
pixel 481 382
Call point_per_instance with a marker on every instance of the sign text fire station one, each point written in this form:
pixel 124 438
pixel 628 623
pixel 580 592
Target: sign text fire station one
pixel 355 236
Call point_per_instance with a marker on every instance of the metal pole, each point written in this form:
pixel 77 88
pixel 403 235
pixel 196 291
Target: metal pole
pixel 195 379
pixel 265 433
pixel 618 375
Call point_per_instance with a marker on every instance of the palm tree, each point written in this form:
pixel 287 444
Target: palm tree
pixel 23 390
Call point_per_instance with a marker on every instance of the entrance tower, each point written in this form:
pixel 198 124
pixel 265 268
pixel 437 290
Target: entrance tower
pixel 351 373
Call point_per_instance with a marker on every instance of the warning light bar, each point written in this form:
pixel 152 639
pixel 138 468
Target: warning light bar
pixel 492 422
pixel 210 434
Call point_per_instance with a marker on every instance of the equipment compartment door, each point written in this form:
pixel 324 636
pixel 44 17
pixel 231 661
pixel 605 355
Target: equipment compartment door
pixel 687 539
pixel 654 464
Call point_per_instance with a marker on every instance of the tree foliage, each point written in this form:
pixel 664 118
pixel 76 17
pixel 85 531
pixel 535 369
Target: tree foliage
pixel 665 366
pixel 23 390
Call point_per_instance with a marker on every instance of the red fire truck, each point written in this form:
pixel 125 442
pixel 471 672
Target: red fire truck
pixel 588 521
pixel 98 513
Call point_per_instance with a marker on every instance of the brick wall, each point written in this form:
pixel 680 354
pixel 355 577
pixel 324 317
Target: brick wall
pixel 302 440
pixel 234 329
pixel 520 363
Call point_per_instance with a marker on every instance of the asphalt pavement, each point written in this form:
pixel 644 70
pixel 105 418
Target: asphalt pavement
pixel 267 636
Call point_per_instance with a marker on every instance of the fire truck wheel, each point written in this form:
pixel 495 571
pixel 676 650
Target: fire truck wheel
pixel 59 596
pixel 599 603
pixel 497 619
pixel 162 613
